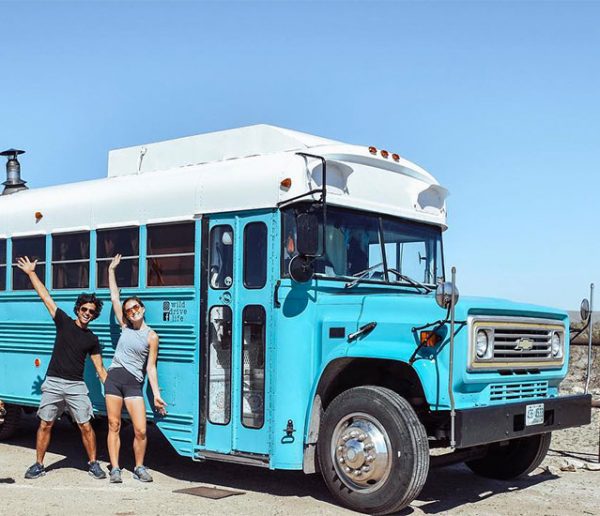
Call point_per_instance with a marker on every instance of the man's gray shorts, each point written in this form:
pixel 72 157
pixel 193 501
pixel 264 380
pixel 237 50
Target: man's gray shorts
pixel 59 395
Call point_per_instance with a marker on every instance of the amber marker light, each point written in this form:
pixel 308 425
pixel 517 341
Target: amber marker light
pixel 429 338
pixel 37 362
pixel 396 157
pixel 372 150
pixel 38 215
pixel 286 183
pixel 385 154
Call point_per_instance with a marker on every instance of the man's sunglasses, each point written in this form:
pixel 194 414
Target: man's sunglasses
pixel 132 309
pixel 85 310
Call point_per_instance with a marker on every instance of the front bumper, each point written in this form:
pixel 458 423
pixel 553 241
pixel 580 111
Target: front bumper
pixel 498 423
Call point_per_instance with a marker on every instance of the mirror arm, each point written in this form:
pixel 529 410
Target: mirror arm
pixel 323 200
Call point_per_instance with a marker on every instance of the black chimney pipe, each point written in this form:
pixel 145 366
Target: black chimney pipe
pixel 13 182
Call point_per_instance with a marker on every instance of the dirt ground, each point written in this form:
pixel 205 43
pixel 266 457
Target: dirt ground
pixel 67 489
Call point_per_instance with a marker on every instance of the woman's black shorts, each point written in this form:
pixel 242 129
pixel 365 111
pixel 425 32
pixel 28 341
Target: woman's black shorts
pixel 120 382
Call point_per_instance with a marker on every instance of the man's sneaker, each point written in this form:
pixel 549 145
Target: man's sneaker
pixel 115 476
pixel 35 471
pixel 141 473
pixel 95 470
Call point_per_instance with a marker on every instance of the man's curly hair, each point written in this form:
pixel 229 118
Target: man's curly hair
pixel 88 298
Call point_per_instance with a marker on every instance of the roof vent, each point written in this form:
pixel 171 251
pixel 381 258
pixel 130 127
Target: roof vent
pixel 13 182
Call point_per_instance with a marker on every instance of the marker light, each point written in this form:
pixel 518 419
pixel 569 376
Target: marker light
pixel 286 183
pixel 385 154
pixel 372 150
pixel 37 362
pixel 429 338
pixel 396 157
pixel 38 215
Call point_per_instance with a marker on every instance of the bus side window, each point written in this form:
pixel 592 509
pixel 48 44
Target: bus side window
pixel 221 257
pixel 255 255
pixel 70 260
pixel 2 264
pixel 35 249
pixel 170 255
pixel 219 360
pixel 123 241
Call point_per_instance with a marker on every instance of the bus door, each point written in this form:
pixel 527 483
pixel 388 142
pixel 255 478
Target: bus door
pixel 237 295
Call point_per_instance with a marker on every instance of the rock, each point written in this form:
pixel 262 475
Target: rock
pixel 570 465
pixel 592 466
pixel 550 469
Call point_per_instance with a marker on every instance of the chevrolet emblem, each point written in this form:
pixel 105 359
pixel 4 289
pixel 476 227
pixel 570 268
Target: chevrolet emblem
pixel 524 344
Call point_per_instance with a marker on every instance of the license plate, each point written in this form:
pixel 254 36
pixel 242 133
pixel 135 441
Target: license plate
pixel 534 414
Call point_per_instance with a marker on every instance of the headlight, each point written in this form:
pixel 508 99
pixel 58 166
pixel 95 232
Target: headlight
pixel 482 343
pixel 556 344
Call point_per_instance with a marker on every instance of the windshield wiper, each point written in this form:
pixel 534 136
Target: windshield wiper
pixel 409 280
pixel 361 275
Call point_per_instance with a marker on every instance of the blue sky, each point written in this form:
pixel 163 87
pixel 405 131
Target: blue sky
pixel 499 100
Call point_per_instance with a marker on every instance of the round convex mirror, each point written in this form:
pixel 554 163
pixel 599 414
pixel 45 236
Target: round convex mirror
pixel 301 269
pixel 444 294
pixel 584 310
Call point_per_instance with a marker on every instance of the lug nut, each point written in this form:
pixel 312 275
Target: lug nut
pixel 341 460
pixel 366 468
pixel 354 434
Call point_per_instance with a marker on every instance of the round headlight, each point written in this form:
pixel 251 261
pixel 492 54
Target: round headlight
pixel 482 343
pixel 556 345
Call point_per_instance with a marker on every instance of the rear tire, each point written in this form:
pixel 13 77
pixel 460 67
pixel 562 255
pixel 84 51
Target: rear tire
pixel 373 450
pixel 11 422
pixel 512 459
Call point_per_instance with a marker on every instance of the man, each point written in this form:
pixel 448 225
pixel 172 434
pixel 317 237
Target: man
pixel 64 387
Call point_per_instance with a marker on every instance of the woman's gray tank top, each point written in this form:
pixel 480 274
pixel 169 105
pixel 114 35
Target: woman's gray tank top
pixel 132 351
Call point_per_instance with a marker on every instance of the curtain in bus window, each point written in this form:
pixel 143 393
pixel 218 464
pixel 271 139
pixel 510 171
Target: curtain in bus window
pixel 170 255
pixel 70 260
pixel 123 241
pixel 2 264
pixel 35 249
pixel 219 365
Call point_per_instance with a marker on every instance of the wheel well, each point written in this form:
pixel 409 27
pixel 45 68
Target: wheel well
pixel 345 373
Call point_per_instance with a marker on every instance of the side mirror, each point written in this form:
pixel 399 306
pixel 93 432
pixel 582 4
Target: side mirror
pixel 307 237
pixel 584 311
pixel 444 294
pixel 301 268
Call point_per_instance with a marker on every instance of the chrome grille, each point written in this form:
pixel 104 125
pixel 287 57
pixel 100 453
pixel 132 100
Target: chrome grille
pixel 519 344
pixel 518 391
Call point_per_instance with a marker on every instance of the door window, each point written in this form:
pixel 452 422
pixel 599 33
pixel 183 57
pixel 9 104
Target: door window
pixel 255 255
pixel 253 366
pixel 219 360
pixel 221 257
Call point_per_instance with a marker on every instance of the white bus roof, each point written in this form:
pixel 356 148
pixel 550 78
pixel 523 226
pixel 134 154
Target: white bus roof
pixel 225 171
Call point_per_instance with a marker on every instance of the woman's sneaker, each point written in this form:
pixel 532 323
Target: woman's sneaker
pixel 141 473
pixel 95 470
pixel 35 471
pixel 115 476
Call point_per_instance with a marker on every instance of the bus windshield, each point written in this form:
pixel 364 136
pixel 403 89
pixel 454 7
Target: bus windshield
pixel 372 247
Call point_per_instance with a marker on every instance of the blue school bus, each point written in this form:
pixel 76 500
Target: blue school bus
pixel 306 322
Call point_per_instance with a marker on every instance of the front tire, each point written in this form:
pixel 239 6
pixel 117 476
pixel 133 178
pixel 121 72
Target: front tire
pixel 373 450
pixel 11 422
pixel 512 459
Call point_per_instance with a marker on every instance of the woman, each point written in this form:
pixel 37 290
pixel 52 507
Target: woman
pixel 136 353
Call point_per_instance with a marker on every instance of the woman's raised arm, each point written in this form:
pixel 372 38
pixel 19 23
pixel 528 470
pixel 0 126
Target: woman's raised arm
pixel 115 297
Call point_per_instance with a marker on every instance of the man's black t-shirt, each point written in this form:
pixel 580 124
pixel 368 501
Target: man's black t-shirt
pixel 71 347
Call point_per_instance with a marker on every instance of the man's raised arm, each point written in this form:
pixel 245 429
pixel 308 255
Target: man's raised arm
pixel 28 268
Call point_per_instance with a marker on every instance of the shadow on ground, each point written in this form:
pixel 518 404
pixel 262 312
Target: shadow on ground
pixel 446 489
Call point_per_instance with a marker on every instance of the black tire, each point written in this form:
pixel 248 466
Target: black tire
pixel 406 464
pixel 512 459
pixel 11 422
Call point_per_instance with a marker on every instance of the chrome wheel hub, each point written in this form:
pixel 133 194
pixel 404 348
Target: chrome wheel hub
pixel 360 450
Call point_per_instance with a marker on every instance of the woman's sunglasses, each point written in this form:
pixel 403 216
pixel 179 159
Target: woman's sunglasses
pixel 90 311
pixel 132 309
